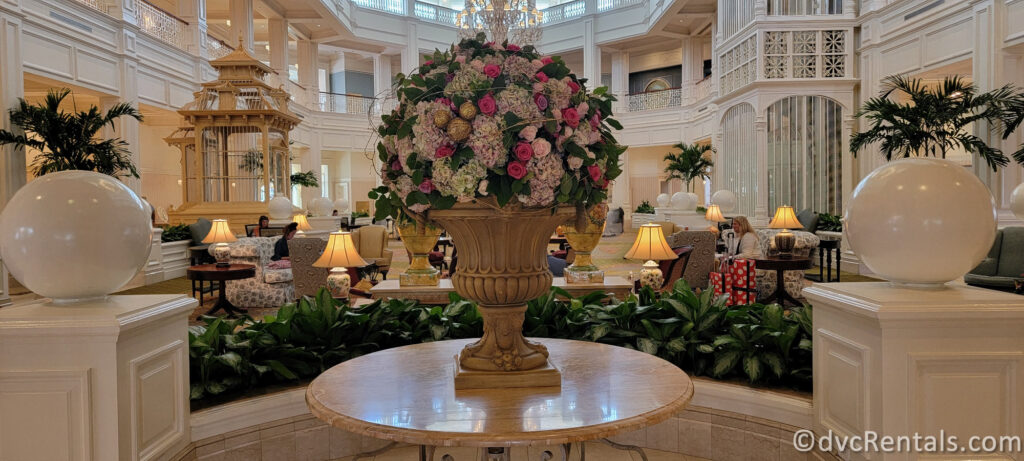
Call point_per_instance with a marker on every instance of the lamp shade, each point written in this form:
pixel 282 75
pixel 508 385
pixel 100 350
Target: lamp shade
pixel 340 252
pixel 785 218
pixel 219 233
pixel 714 214
pixel 650 244
pixel 303 223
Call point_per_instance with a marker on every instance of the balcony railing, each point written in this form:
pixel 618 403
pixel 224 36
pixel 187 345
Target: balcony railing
pixel 703 89
pixel 346 103
pixel 651 100
pixel 435 13
pixel 564 12
pixel 97 5
pixel 605 5
pixel 161 24
pixel 389 6
pixel 217 49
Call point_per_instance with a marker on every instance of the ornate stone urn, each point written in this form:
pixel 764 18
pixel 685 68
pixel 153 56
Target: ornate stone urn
pixel 418 241
pixel 502 265
pixel 583 241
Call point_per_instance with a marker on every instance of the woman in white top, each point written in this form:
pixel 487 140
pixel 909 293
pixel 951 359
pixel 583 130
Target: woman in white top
pixel 748 246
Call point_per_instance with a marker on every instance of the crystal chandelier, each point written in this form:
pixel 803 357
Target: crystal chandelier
pixel 517 21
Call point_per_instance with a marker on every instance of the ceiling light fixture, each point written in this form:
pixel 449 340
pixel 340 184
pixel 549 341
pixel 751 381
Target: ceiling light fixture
pixel 517 21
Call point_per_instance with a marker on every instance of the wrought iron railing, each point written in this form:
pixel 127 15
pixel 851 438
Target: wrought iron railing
pixel 390 6
pixel 434 13
pixel 346 103
pixel 651 100
pixel 161 24
pixel 563 12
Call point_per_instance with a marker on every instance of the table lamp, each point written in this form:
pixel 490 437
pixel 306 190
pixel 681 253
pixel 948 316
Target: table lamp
pixel 220 236
pixel 303 223
pixel 339 254
pixel 785 219
pixel 650 245
pixel 714 215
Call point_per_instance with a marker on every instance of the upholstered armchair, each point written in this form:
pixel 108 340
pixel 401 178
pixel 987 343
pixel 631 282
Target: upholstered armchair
pixel 806 242
pixel 270 287
pixel 372 244
pixel 304 251
pixel 702 258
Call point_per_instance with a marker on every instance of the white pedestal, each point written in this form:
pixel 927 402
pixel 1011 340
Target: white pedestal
pixel 96 381
pixel 687 219
pixel 901 361
pixel 325 223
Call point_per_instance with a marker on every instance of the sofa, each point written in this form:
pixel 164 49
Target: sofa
pixel 806 243
pixel 1003 264
pixel 701 259
pixel 270 287
pixel 372 244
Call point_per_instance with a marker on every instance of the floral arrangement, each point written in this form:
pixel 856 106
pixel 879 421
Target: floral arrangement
pixel 495 120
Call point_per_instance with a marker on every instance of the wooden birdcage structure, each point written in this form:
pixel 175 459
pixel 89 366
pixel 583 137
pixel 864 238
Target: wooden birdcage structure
pixel 234 144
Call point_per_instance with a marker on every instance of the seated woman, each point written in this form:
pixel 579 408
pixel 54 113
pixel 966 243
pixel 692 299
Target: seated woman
pixel 748 246
pixel 264 223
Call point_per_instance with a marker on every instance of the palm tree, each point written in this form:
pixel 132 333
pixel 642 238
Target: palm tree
pixel 935 119
pixel 67 140
pixel 691 162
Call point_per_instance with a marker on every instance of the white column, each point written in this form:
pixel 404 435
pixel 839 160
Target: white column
pixel 620 81
pixel 308 76
pixel 12 87
pixel 241 12
pixel 591 55
pixel 125 10
pixel 620 190
pixel 381 80
pixel 411 52
pixel 687 70
pixel 988 73
pixel 761 212
pixel 311 160
pixel 126 128
pixel 277 30
pixel 89 381
pixel 338 66
pixel 194 13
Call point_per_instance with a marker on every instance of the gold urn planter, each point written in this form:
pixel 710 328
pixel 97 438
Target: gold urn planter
pixel 419 240
pixel 502 265
pixel 583 241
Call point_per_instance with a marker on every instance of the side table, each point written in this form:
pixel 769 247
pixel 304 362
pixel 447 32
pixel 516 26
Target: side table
pixel 210 272
pixel 780 265
pixel 825 249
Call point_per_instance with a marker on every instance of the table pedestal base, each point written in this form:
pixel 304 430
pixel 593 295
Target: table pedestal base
pixel 426 452
pixel 545 376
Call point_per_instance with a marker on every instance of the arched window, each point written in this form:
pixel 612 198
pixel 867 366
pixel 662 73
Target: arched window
pixel 657 84
pixel 738 157
pixel 805 154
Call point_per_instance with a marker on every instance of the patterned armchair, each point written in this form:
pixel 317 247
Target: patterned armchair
pixel 702 258
pixel 372 244
pixel 270 287
pixel 806 242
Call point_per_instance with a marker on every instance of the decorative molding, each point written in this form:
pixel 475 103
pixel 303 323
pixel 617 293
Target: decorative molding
pixel 165 363
pixel 64 392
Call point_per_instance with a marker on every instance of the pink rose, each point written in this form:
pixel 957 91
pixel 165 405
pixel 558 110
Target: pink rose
pixel 595 173
pixel 536 64
pixel 516 170
pixel 546 60
pixel 575 87
pixel 513 47
pixel 595 121
pixel 461 59
pixel 396 165
pixel 492 70
pixel 444 151
pixel 428 63
pixel 427 186
pixel 538 87
pixel 572 118
pixel 541 147
pixel 477 65
pixel 487 104
pixel 528 133
pixel 541 101
pixel 542 77
pixel 583 108
pixel 575 163
pixel 524 151
pixel 488 44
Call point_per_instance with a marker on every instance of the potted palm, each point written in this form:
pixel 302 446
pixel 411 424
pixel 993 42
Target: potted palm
pixel 68 140
pixel 921 219
pixel 691 162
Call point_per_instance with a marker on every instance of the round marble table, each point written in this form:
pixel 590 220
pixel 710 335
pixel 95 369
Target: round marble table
pixel 407 395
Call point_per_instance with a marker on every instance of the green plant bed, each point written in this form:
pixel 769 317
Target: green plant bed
pixel 762 344
pixel 176 233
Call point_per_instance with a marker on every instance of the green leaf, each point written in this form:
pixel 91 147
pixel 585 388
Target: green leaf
pixel 752 367
pixel 280 369
pixel 676 345
pixel 647 345
pixel 725 362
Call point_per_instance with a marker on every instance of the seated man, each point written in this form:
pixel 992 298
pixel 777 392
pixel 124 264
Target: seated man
pixel 556 266
pixel 281 247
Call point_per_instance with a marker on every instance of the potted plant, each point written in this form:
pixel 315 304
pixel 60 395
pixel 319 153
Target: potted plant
pixel 644 207
pixel 498 144
pixel 691 162
pixel 921 219
pixel 69 140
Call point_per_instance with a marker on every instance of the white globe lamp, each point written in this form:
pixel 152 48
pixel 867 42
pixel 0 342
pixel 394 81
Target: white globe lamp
pixel 322 206
pixel 280 208
pixel 694 199
pixel 341 205
pixel 725 199
pixel 1017 201
pixel 662 200
pixel 682 201
pixel 75 235
pixel 921 221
